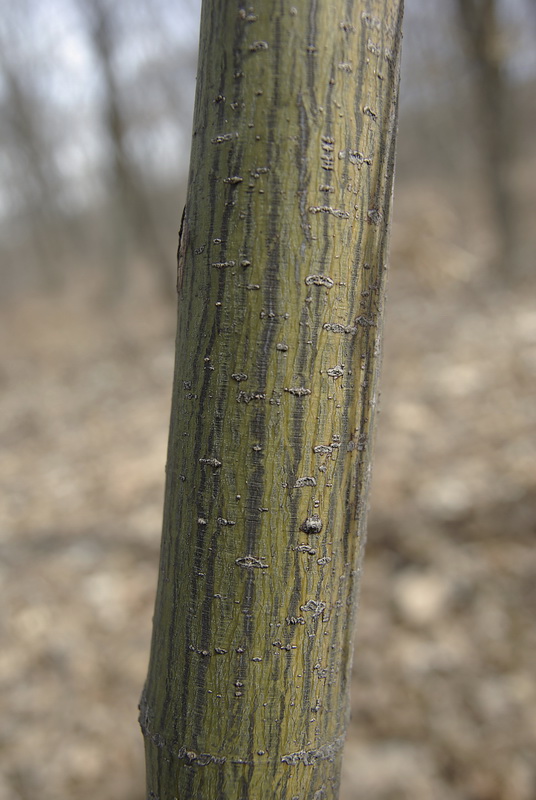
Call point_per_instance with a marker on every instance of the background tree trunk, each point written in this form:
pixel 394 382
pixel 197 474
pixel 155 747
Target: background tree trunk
pixel 133 216
pixel 44 225
pixel 481 31
pixel 281 276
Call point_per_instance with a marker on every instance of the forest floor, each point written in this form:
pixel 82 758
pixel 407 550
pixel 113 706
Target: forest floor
pixel 444 692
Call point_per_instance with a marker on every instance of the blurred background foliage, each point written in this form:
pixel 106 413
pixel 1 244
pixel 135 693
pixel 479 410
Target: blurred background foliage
pixel 95 119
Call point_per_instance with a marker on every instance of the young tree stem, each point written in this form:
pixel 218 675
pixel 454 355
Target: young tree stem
pixel 282 264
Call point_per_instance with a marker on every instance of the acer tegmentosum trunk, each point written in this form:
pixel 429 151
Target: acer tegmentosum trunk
pixel 281 279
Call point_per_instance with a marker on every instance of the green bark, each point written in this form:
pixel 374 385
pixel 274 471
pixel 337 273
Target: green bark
pixel 281 280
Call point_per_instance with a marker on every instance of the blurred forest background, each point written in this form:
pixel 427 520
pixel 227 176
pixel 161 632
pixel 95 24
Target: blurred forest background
pixel 95 120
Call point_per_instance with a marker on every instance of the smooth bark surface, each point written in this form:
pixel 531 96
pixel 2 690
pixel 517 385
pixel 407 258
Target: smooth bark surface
pixel 281 278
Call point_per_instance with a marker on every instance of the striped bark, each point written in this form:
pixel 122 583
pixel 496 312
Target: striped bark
pixel 281 277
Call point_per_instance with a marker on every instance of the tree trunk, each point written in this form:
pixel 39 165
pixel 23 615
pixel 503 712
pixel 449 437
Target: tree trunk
pixel 281 274
pixel 132 217
pixel 482 33
pixel 25 128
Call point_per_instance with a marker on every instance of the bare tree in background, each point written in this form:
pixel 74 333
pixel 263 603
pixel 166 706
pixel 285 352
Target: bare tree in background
pixel 133 217
pixel 23 137
pixel 482 35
